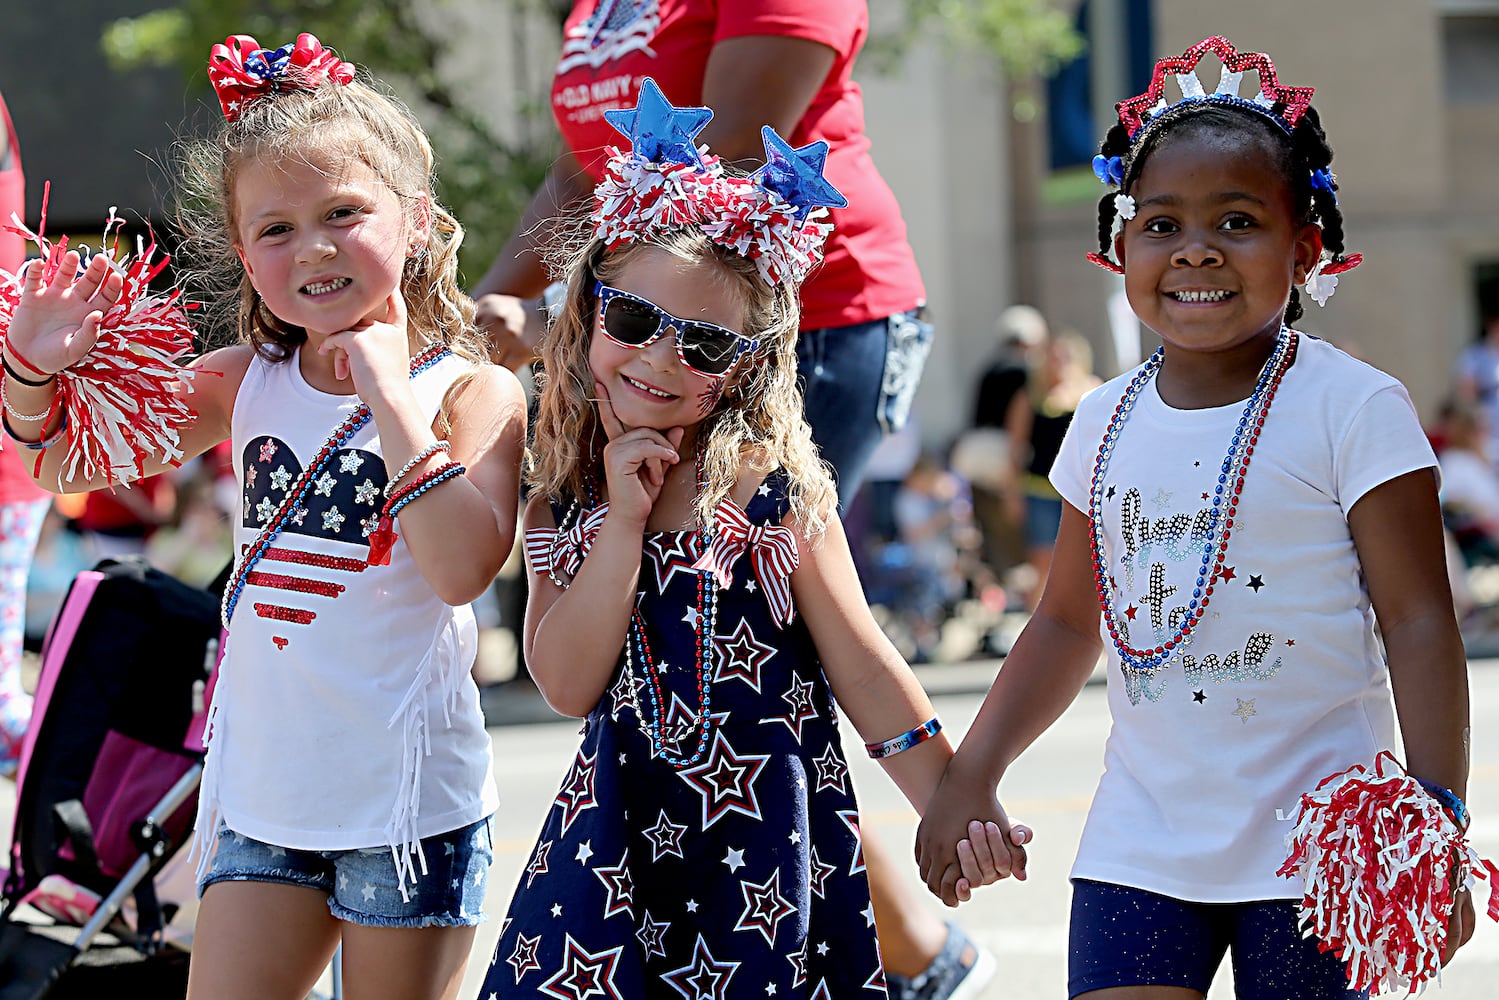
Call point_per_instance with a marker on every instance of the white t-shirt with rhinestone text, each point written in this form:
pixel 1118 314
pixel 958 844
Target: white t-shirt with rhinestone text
pixel 1283 681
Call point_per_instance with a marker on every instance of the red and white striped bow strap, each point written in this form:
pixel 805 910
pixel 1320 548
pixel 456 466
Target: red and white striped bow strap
pixel 563 550
pixel 773 554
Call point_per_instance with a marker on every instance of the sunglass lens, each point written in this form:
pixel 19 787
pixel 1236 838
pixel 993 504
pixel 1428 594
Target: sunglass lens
pixel 709 351
pixel 630 322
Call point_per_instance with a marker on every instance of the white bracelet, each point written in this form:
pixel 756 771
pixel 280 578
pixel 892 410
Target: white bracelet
pixel 417 459
pixel 29 418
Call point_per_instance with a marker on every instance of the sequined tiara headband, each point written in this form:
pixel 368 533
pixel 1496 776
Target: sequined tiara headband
pixel 776 217
pixel 242 71
pixel 1282 105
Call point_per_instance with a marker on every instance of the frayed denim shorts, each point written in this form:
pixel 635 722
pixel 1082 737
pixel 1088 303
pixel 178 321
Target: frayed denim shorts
pixel 362 885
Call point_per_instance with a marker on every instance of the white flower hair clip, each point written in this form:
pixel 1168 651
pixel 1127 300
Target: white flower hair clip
pixel 1323 280
pixel 1124 205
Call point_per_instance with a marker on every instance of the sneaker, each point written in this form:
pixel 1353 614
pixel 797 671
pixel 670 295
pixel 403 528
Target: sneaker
pixel 960 971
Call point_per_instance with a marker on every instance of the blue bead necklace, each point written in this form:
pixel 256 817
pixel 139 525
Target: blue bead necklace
pixel 1230 486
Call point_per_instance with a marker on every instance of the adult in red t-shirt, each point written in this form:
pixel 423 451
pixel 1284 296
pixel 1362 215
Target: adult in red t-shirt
pixel 23 505
pixel 788 64
pixel 785 63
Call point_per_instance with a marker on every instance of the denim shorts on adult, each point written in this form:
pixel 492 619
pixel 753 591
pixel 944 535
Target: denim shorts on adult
pixel 1129 937
pixel 361 884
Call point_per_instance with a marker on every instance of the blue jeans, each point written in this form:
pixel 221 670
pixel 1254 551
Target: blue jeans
pixel 858 383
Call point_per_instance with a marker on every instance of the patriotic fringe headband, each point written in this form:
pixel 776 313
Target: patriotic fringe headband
pixel 120 403
pixel 775 217
pixel 241 71
pixel 1381 861
pixel 1281 105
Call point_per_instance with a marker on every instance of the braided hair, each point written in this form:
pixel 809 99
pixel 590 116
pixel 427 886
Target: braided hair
pixel 1296 155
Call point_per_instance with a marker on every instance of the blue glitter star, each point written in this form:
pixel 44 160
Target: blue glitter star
pixel 796 174
pixel 657 131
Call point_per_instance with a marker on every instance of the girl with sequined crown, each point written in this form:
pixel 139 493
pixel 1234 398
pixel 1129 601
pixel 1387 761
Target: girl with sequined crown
pixel 1242 511
pixel 694 599
pixel 348 782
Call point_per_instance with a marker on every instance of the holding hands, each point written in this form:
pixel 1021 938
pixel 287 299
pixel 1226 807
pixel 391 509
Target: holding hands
pixel 58 318
pixel 955 855
pixel 635 462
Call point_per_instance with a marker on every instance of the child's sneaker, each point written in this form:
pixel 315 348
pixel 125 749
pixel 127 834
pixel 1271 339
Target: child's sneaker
pixel 960 971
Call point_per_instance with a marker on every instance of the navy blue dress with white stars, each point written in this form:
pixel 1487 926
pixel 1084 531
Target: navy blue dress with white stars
pixel 738 876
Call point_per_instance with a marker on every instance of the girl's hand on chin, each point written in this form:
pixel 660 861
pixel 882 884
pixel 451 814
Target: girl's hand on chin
pixel 376 352
pixel 57 321
pixel 635 461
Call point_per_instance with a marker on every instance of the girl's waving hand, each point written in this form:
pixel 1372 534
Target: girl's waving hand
pixel 58 318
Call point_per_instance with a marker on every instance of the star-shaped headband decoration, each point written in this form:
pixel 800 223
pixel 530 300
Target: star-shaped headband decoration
pixel 796 174
pixel 776 217
pixel 657 131
pixel 1281 104
pixel 242 71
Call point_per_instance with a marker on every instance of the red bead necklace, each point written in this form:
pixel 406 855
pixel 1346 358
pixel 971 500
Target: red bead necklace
pixel 1148 660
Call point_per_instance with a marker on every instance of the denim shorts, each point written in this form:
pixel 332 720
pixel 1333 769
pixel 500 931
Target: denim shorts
pixel 1130 937
pixel 361 884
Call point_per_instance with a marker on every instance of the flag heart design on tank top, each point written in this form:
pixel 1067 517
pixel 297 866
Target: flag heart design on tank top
pixel 343 504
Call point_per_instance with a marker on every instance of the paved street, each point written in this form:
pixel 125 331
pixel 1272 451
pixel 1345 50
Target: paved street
pixel 1024 924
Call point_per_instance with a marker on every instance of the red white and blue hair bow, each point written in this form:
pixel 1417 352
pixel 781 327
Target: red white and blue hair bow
pixel 773 554
pixel 242 71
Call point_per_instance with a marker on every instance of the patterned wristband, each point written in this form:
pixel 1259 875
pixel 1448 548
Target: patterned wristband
pixel 905 741
pixel 1448 801
pixel 41 445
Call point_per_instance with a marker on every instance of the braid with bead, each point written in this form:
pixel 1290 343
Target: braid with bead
pixel 1305 150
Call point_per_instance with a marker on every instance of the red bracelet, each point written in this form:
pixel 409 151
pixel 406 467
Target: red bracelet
pixel 383 537
pixel 10 349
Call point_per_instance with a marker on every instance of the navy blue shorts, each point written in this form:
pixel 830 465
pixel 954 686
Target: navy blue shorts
pixel 1129 937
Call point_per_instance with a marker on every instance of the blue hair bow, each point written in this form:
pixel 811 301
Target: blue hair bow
pixel 1109 169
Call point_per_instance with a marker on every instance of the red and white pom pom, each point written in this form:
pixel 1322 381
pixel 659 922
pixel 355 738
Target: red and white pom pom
pixel 122 400
pixel 1375 853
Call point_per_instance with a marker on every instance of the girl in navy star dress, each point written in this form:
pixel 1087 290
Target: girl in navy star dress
pixel 347 786
pixel 694 599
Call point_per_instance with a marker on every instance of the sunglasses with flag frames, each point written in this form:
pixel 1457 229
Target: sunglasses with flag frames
pixel 631 321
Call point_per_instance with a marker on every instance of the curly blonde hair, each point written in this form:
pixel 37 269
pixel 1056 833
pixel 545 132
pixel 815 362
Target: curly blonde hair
pixel 320 126
pixel 758 420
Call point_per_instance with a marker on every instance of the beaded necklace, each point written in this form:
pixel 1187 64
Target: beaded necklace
pixel 341 436
pixel 638 650
pixel 1230 486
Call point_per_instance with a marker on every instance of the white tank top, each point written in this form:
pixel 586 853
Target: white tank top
pixel 345 714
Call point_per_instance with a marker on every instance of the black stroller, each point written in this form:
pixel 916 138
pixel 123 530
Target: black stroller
pixel 107 781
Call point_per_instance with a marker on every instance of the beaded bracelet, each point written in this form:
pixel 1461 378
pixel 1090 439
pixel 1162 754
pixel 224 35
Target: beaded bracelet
pixel 25 418
pixel 5 362
pixel 417 459
pixel 421 485
pixel 905 741
pixel 1448 801
pixel 41 445
pixel 383 537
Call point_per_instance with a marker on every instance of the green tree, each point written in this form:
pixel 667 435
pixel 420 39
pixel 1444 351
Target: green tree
pixel 485 177
pixel 1028 39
